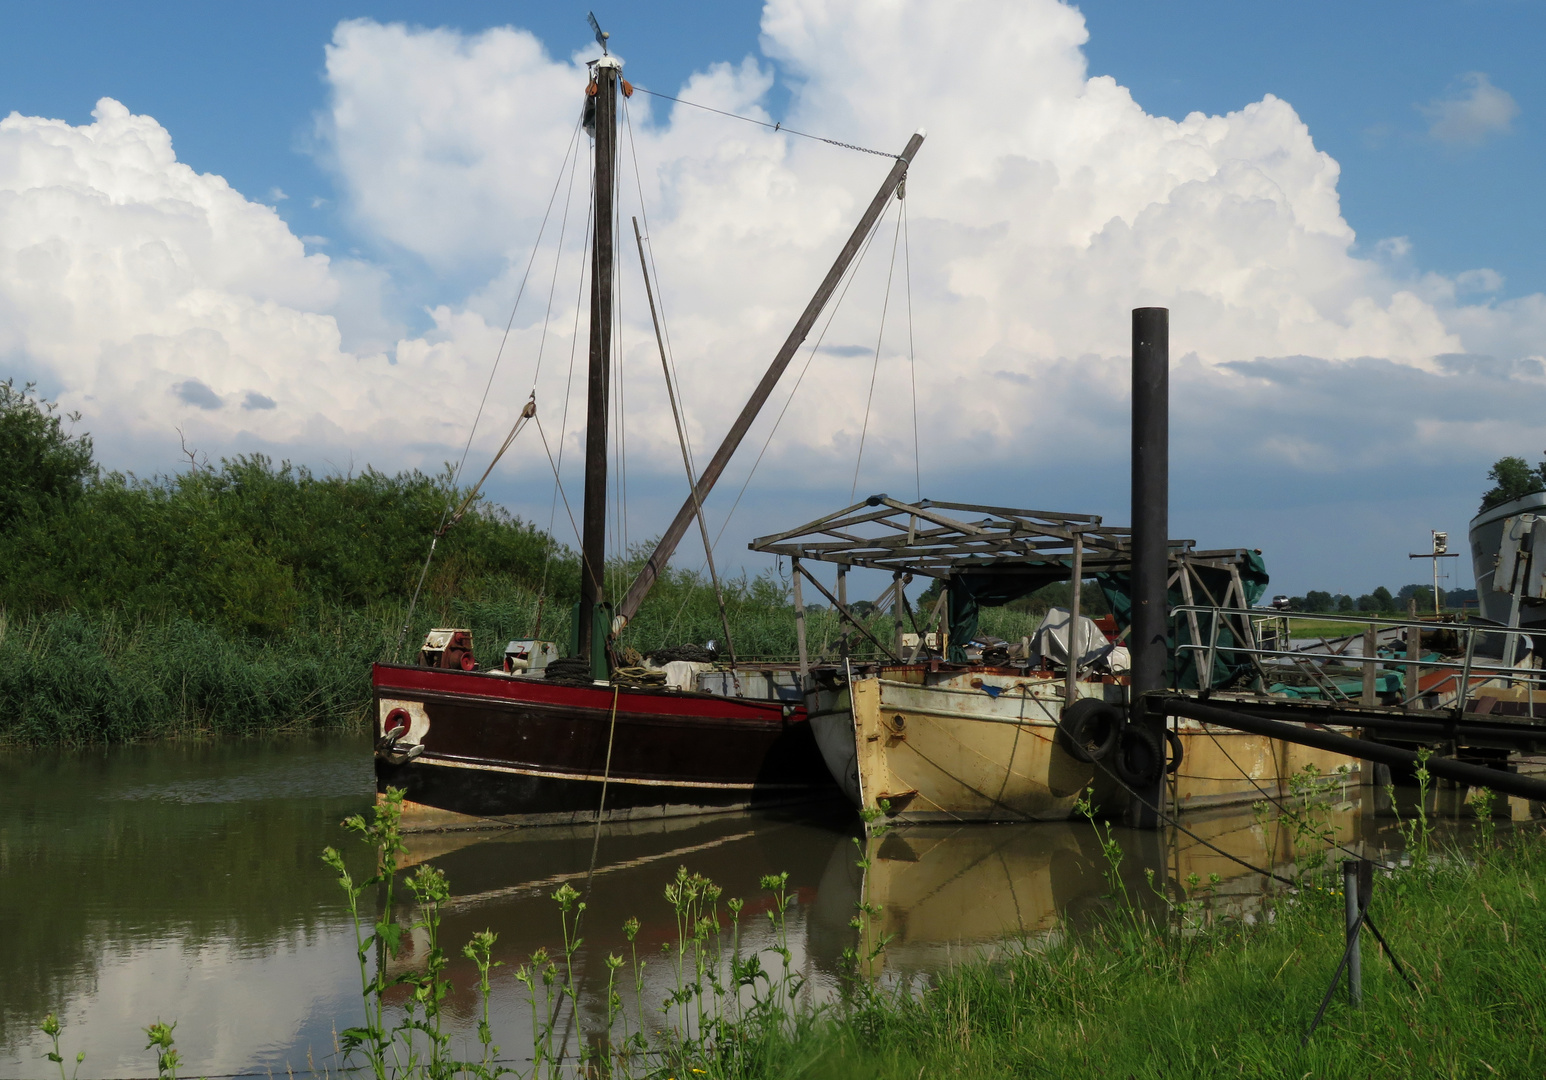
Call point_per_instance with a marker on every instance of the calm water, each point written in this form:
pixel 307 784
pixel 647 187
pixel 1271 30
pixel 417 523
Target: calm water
pixel 183 883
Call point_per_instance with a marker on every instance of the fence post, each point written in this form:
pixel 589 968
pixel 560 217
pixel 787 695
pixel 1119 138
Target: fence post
pixel 1352 907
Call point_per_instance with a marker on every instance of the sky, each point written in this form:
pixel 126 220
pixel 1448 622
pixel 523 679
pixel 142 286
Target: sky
pixel 298 230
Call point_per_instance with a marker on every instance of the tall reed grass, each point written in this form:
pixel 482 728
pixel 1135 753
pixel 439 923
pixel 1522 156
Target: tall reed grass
pixel 80 677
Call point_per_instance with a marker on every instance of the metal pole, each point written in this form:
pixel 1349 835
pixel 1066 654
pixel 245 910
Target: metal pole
pixel 1371 649
pixel 799 623
pixel 1414 652
pixel 1350 910
pixel 896 610
pixel 593 542
pixel 706 479
pixel 1462 772
pixel 1071 688
pixel 1151 527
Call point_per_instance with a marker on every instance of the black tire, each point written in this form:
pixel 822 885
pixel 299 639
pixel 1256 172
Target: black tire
pixel 1173 744
pixel 1088 729
pixel 1140 759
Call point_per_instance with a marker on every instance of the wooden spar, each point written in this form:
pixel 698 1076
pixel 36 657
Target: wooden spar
pixel 681 438
pixel 593 540
pixel 842 609
pixel 711 472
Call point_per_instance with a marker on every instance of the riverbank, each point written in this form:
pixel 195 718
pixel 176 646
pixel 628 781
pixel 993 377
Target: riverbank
pixel 1235 998
pixel 1101 974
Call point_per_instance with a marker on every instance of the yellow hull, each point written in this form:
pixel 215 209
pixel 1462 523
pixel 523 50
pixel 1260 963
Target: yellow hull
pixel 980 746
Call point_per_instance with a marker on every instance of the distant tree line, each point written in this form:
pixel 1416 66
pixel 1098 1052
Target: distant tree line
pixel 1380 599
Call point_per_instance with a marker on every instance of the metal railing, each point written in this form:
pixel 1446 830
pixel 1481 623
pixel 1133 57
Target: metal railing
pixel 1264 638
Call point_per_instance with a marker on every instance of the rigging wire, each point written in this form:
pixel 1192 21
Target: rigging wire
pixel 912 366
pixel 574 338
pixel 510 323
pixel 654 271
pixel 880 337
pixel 851 274
pixel 559 484
pixel 456 474
pixel 558 254
pixel 778 126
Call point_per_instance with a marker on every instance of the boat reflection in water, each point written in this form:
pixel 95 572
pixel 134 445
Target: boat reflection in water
pixel 945 893
pixel 945 890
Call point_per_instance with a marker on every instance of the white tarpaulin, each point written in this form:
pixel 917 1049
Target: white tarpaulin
pixel 1051 642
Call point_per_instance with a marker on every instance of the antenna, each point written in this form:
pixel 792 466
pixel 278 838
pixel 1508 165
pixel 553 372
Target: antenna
pixel 601 35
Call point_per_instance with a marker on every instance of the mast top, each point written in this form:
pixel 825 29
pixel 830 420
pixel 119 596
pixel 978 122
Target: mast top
pixel 601 35
pixel 609 62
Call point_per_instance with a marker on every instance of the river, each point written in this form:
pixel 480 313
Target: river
pixel 184 883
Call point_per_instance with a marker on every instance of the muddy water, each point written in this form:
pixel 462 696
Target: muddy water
pixel 183 883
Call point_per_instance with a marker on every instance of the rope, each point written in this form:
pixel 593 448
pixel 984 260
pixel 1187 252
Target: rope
pixel 606 774
pixel 526 414
pixel 499 354
pixel 779 126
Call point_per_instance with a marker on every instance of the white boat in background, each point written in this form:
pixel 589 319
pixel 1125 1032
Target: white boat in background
pixel 1505 538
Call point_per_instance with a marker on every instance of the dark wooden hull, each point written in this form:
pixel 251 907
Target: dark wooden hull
pixel 526 751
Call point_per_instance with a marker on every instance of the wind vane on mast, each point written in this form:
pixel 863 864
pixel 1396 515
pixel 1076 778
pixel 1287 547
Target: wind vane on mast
pixel 601 35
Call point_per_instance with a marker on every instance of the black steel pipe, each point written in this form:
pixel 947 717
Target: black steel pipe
pixel 1506 783
pixel 1422 726
pixel 1151 524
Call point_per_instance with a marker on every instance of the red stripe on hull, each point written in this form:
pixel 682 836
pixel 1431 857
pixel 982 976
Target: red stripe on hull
pixel 663 744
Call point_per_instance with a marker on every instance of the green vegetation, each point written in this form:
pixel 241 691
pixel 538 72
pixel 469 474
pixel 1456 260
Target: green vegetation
pixel 248 547
pixel 1512 478
pixel 252 597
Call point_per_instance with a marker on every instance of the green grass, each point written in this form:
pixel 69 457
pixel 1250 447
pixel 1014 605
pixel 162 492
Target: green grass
pixel 1235 999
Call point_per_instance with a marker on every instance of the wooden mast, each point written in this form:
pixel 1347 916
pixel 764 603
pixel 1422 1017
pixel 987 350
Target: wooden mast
pixel 710 474
pixel 593 542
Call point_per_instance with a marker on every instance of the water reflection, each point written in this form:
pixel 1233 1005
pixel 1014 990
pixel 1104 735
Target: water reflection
pixel 184 883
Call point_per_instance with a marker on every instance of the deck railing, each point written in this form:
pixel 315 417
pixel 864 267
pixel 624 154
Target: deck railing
pixel 1460 668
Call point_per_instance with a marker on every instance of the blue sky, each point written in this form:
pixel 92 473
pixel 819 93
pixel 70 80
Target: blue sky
pixel 1431 110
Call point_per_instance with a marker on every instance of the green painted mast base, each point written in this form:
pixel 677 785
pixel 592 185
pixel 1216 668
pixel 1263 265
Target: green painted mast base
pixel 600 630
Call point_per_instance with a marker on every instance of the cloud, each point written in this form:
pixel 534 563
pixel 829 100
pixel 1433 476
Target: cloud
pixel 197 394
pixel 1474 113
pixel 1028 235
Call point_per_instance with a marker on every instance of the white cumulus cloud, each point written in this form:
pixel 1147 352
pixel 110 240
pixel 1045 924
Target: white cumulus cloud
pixel 151 296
